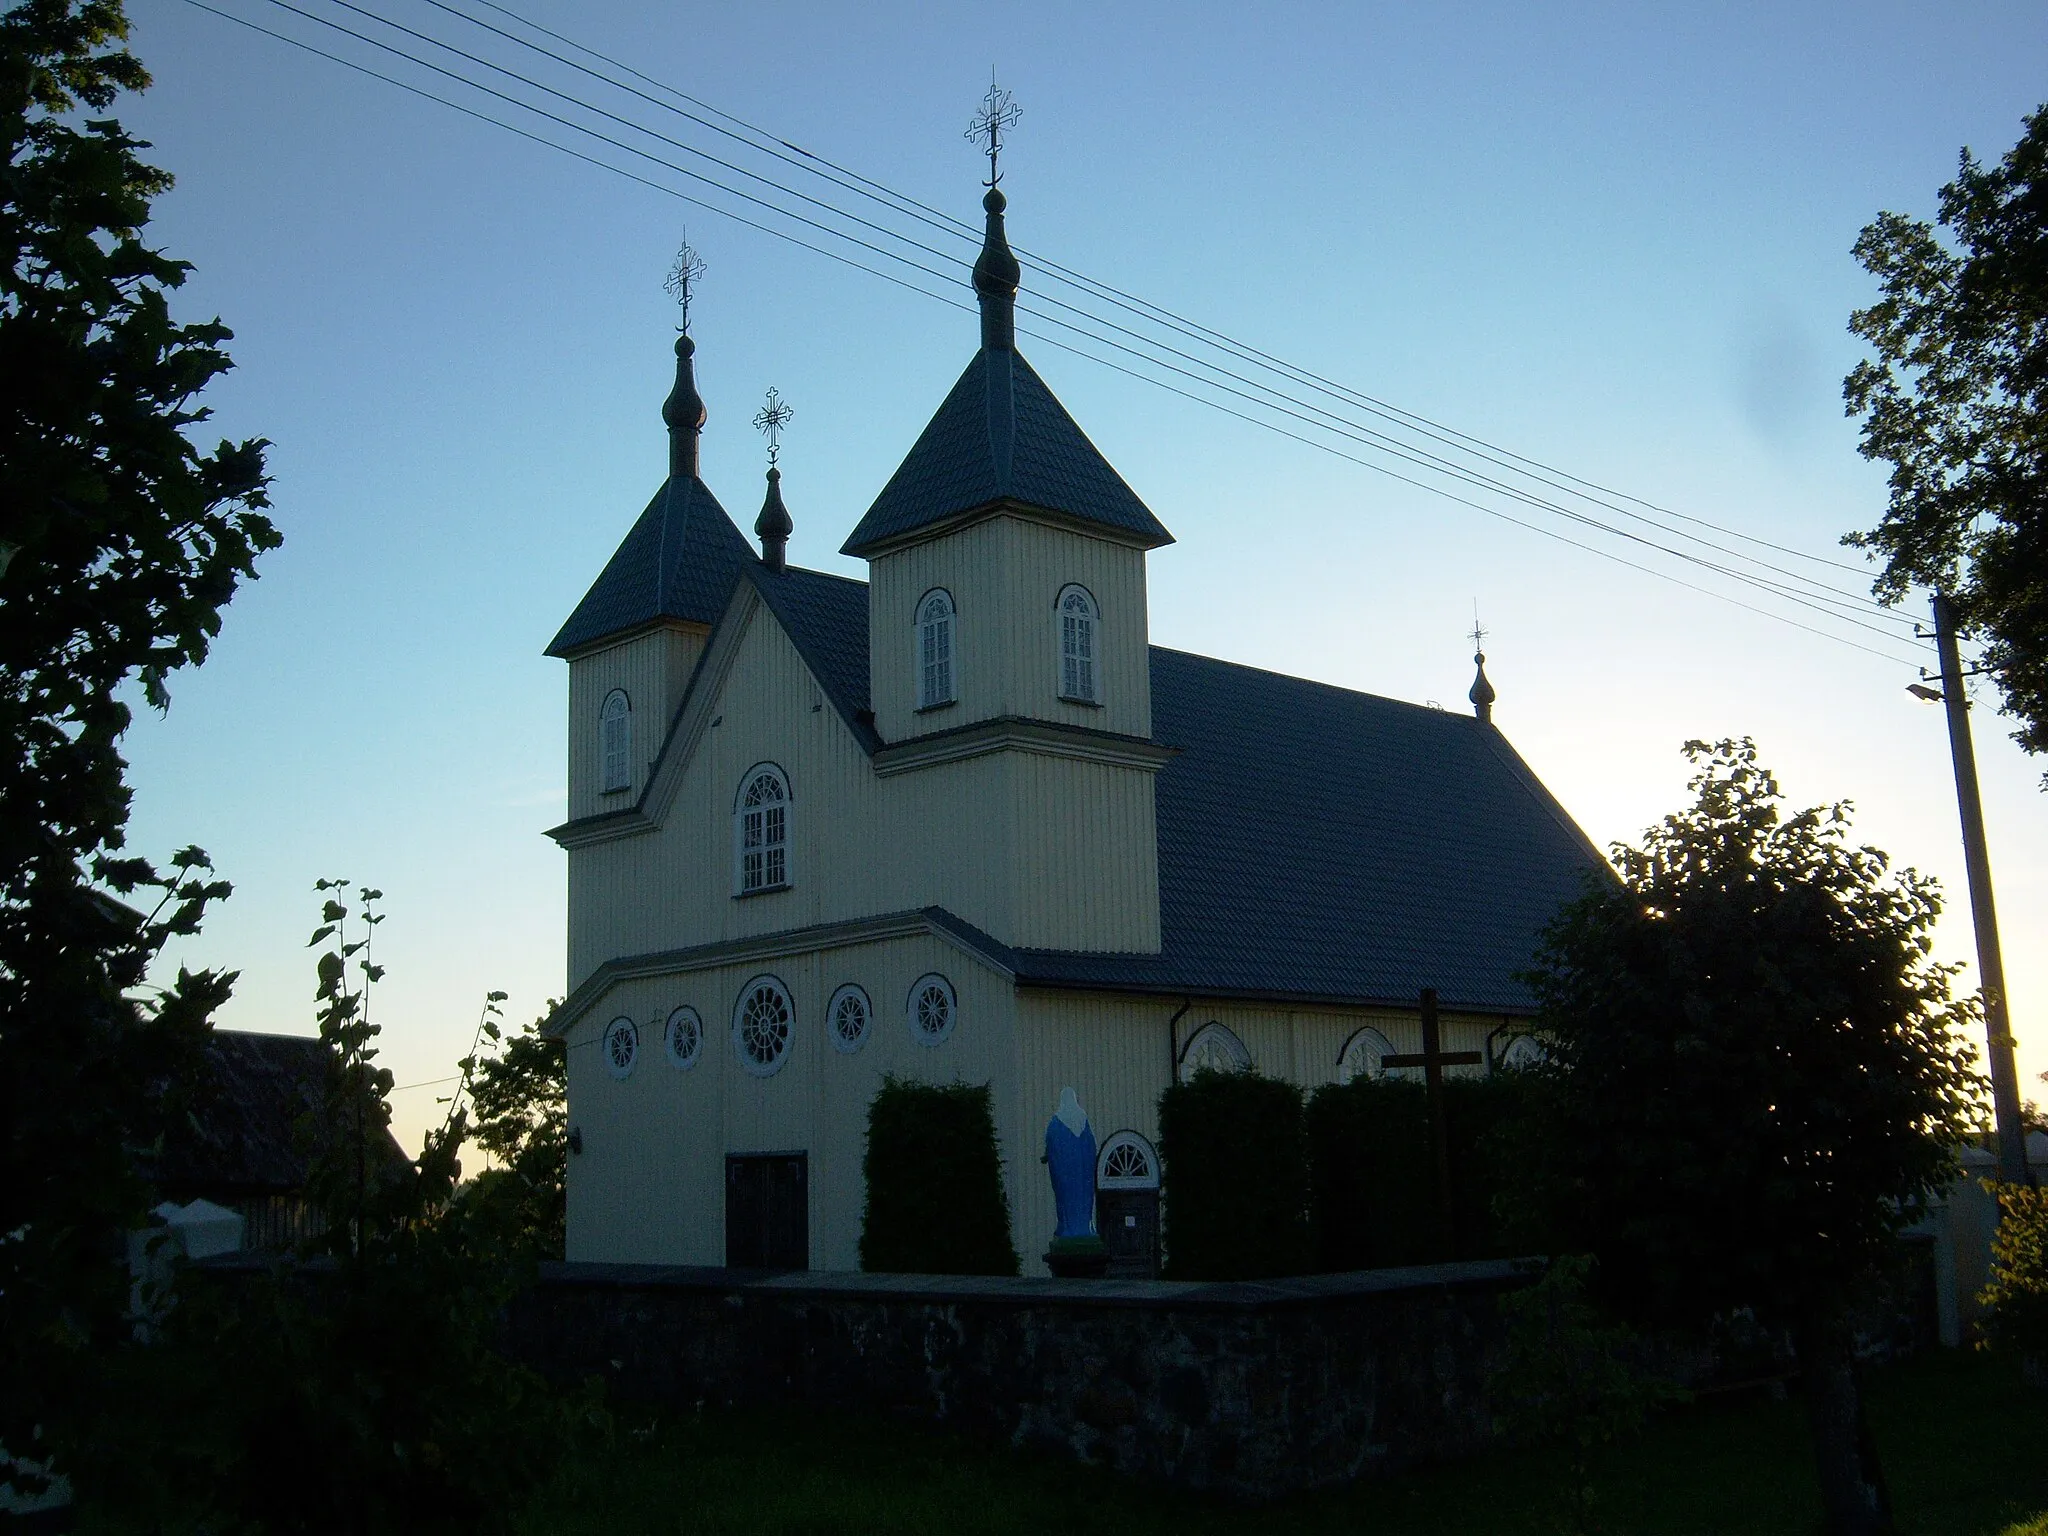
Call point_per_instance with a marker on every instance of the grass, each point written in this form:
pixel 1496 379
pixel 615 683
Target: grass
pixel 1964 1445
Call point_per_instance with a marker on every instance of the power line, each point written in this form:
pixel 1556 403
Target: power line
pixel 1378 442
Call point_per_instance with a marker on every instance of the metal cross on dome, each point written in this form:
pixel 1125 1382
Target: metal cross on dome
pixel 682 276
pixel 1478 635
pixel 997 113
pixel 770 420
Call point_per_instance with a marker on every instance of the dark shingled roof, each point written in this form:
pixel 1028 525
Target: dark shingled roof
pixel 243 1136
pixel 679 562
pixel 1314 842
pixel 1001 435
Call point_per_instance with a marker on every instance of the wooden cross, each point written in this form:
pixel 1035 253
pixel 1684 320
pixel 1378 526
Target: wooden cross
pixel 1433 1058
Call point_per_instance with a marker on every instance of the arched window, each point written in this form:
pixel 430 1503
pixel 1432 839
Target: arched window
pixel 1127 1161
pixel 931 1009
pixel 760 831
pixel 621 1046
pixel 935 684
pixel 847 1017
pixel 1520 1054
pixel 1213 1048
pixel 615 740
pixel 1077 646
pixel 1362 1055
pixel 762 1022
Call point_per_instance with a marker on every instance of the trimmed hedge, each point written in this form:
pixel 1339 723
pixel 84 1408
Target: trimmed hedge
pixel 935 1201
pixel 1372 1170
pixel 1233 1161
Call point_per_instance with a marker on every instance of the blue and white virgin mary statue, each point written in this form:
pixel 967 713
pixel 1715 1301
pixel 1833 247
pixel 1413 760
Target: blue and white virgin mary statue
pixel 1070 1158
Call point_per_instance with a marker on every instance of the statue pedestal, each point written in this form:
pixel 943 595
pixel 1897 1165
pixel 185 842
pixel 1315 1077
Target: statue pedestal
pixel 1077 1258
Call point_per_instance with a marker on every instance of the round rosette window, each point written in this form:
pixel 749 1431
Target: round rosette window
pixel 762 1022
pixel 683 1034
pixel 932 1009
pixel 847 1018
pixel 621 1046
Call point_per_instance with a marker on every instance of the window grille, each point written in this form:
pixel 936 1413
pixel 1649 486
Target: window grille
pixel 684 1036
pixel 1077 645
pixel 615 740
pixel 1127 1162
pixel 1214 1048
pixel 1362 1054
pixel 762 831
pixel 935 650
pixel 846 1019
pixel 761 1025
pixel 621 1046
pixel 933 1010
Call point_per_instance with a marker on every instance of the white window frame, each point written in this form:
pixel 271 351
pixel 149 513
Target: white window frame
pixel 761 834
pixel 1104 1179
pixel 619 1047
pixel 935 650
pixel 780 993
pixel 849 994
pixel 1362 1054
pixel 923 1036
pixel 1214 1038
pixel 686 1026
pixel 615 742
pixel 1077 632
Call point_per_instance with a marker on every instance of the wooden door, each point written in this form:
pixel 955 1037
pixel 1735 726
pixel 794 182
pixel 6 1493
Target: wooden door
pixel 1128 1220
pixel 768 1210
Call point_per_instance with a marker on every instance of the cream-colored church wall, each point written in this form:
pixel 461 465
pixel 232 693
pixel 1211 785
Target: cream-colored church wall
pixel 649 1187
pixel 1114 1052
pixel 653 668
pixel 1005 574
pixel 1039 851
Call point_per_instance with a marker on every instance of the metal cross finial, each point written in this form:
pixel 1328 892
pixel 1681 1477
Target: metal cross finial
pixel 770 420
pixel 997 113
pixel 1478 635
pixel 682 276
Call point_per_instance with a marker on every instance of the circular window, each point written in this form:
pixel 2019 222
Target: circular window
pixel 846 1019
pixel 761 1025
pixel 932 1009
pixel 684 1036
pixel 621 1046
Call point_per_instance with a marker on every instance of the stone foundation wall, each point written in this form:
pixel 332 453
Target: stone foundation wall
pixel 1252 1389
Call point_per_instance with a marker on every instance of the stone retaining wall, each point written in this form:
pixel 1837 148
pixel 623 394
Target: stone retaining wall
pixel 1253 1389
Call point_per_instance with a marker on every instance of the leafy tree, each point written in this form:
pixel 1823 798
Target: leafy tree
pixel 120 543
pixel 1956 401
pixel 520 1099
pixel 2016 1300
pixel 1756 1073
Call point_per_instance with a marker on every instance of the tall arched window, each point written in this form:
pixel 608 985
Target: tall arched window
pixel 760 831
pixel 1362 1055
pixel 935 649
pixel 615 740
pixel 1077 646
pixel 1213 1048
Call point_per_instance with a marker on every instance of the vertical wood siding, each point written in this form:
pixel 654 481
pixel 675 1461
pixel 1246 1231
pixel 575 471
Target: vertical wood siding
pixel 653 668
pixel 1005 574
pixel 649 1185
pixel 1039 851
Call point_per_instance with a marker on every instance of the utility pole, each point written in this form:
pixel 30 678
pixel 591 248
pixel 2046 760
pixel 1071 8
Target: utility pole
pixel 2005 1077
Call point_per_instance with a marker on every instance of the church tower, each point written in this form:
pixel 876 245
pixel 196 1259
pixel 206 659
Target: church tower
pixel 634 640
pixel 1007 619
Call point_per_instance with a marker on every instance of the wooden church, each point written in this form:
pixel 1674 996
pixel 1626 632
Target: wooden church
pixel 963 822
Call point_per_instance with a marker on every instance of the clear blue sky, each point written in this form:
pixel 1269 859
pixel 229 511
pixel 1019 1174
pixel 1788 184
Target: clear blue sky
pixel 1613 237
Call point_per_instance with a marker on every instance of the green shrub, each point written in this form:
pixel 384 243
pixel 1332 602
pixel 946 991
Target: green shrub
pixel 2017 1297
pixel 935 1201
pixel 1372 1170
pixel 1233 1161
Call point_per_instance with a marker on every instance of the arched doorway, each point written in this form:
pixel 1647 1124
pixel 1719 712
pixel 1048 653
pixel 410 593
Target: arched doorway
pixel 1127 1205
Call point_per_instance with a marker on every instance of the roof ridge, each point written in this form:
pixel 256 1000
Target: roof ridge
pixel 1310 682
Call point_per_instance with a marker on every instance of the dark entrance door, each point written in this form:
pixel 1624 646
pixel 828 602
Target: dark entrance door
pixel 768 1210
pixel 1128 1220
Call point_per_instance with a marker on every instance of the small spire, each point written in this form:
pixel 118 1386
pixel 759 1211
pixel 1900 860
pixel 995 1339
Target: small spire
pixel 996 273
pixel 774 526
pixel 1482 694
pixel 683 411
